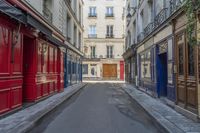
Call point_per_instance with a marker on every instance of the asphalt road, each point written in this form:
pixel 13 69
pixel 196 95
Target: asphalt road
pixel 98 108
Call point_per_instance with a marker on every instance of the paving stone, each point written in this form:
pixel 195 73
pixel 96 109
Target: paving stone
pixel 168 118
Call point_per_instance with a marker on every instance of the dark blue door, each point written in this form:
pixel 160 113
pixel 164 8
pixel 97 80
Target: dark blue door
pixel 162 74
pixel 69 72
pixel 65 71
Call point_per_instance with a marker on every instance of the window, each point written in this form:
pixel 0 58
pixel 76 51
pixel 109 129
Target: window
pixel 68 27
pixel 109 51
pixel 93 51
pixel 69 67
pixel 85 69
pixel 150 11
pixel 92 12
pixel 80 41
pixel 75 35
pixel 109 12
pixel 191 57
pixel 47 10
pixel 92 31
pixel 170 49
pixel 181 59
pixel 109 31
pixel 146 65
pixel 190 60
pixel 142 19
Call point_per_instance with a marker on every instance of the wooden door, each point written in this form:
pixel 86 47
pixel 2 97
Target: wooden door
pixel 110 70
pixel 186 78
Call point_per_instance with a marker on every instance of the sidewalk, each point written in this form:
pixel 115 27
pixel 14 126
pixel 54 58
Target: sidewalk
pixel 164 116
pixel 25 119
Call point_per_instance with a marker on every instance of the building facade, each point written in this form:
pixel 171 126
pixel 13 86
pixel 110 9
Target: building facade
pixel 158 52
pixel 40 49
pixel 103 39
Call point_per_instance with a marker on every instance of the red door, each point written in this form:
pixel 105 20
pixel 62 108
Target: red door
pixel 121 70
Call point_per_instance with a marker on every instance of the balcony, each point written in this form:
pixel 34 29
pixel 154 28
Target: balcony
pixel 148 29
pixel 91 56
pixel 110 56
pixel 109 15
pixel 92 15
pixel 162 16
pixel 175 5
pixel 98 56
pixel 109 36
pixel 92 35
pixel 47 14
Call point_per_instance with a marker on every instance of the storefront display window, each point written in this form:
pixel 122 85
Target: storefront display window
pixel 170 49
pixel 170 73
pixel 146 64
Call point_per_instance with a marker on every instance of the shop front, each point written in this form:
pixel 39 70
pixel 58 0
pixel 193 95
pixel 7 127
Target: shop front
pixel 147 67
pixel 130 58
pixel 11 57
pixel 186 66
pixel 11 67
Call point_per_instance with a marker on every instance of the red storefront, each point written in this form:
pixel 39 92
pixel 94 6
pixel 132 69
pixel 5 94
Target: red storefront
pixel 11 69
pixel 31 64
pixel 43 69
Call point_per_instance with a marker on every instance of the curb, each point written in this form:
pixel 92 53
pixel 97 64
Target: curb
pixel 28 123
pixel 160 122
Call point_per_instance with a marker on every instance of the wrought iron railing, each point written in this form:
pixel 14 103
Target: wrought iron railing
pixel 160 18
pixel 109 56
pixel 174 5
pixel 148 29
pixel 92 15
pixel 109 14
pixel 91 56
pixel 98 56
pixel 109 36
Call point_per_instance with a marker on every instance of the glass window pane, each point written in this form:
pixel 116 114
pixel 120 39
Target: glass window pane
pixel 170 49
pixel 181 59
pixel 190 60
pixel 170 73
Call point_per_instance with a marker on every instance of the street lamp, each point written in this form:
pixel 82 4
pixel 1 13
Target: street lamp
pixel 128 17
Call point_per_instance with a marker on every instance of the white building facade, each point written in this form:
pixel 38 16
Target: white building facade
pixel 103 39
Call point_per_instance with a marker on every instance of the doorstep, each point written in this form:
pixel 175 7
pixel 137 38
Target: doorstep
pixel 164 116
pixel 24 120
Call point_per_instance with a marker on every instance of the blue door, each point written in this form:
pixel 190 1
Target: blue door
pixel 69 72
pixel 162 74
pixel 65 71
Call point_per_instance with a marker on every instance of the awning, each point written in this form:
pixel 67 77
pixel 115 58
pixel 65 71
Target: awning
pixel 12 11
pixel 36 24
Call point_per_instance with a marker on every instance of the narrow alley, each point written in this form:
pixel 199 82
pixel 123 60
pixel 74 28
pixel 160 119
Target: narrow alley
pixel 98 108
